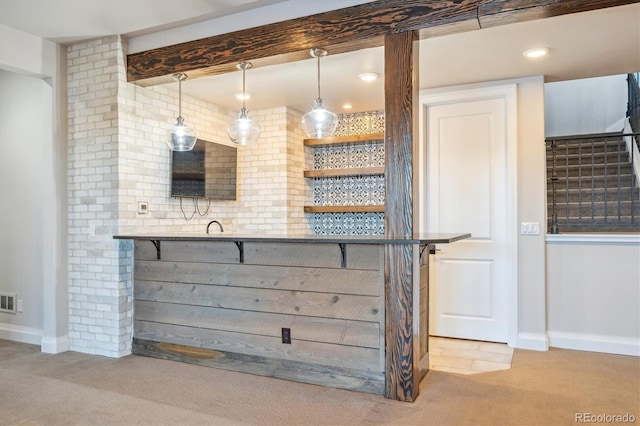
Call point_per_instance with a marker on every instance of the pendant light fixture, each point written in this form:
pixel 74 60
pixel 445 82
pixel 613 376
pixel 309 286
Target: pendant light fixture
pixel 319 122
pixel 243 130
pixel 181 137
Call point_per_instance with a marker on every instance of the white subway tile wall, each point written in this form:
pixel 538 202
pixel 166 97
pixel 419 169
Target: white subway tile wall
pixel 118 157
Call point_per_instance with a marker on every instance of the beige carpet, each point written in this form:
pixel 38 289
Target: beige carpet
pixel 541 388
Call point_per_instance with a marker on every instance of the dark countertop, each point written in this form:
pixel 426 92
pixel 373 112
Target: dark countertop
pixel 440 238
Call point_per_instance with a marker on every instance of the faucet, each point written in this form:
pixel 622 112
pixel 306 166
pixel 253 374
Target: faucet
pixel 215 221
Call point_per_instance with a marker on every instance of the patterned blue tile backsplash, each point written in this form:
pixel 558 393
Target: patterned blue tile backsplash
pixel 348 191
pixel 348 224
pixel 351 190
pixel 359 123
pixel 349 155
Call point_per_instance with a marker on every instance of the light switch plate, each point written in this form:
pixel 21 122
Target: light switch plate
pixel 530 228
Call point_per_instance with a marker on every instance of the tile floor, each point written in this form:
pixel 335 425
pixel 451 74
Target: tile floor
pixel 468 356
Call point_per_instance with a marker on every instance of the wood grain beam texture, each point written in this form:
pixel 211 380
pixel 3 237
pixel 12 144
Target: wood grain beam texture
pixel 401 68
pixel 503 12
pixel 340 31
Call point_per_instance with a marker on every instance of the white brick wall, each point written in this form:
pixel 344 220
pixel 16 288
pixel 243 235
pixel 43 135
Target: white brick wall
pixel 99 294
pixel 300 189
pixel 118 156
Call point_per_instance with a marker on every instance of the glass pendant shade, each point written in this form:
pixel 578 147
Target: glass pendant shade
pixel 319 122
pixel 243 130
pixel 181 137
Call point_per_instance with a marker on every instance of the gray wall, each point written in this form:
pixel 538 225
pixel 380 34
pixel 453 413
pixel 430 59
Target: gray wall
pixel 33 260
pixel 585 106
pixel 593 293
pixel 22 158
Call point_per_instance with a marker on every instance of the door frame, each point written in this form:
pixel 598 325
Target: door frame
pixel 452 95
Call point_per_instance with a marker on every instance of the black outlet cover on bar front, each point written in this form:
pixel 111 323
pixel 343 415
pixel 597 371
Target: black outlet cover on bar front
pixel 286 335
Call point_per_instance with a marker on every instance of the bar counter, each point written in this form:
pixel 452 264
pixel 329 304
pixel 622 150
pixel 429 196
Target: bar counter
pixel 314 309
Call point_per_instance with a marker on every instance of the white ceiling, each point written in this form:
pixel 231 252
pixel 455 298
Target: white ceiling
pixel 589 44
pixel 65 21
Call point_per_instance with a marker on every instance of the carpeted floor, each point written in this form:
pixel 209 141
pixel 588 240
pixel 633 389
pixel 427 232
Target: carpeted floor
pixel 541 388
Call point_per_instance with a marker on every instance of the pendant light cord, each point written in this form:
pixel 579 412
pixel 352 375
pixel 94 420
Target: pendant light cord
pixel 244 92
pixel 180 97
pixel 319 97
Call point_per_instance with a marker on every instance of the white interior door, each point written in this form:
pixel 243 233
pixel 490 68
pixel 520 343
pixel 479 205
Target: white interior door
pixel 467 190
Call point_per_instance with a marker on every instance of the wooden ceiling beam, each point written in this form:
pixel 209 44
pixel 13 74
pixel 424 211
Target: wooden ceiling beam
pixel 341 31
pixel 338 31
pixel 502 12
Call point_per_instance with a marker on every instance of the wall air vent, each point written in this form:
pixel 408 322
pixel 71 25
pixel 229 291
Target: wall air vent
pixel 8 303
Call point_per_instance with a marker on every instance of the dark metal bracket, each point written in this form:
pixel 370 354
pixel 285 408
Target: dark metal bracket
pixel 240 245
pixel 432 249
pixel 343 251
pixel 157 244
pixel 422 249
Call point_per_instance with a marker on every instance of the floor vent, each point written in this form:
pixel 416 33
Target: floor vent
pixel 8 303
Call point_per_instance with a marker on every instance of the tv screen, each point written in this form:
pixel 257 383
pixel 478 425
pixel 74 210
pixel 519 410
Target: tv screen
pixel 208 171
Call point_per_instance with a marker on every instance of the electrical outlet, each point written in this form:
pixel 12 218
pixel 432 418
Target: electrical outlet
pixel 286 335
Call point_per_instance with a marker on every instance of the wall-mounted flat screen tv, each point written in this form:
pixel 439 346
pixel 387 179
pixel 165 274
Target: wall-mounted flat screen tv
pixel 208 171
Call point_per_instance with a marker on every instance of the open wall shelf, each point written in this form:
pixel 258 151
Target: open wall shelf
pixel 360 171
pixel 344 209
pixel 371 170
pixel 344 139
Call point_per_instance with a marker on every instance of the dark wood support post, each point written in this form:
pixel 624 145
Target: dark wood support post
pixel 402 345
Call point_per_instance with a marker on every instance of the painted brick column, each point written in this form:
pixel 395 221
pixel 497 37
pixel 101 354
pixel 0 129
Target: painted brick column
pixel 300 189
pixel 99 272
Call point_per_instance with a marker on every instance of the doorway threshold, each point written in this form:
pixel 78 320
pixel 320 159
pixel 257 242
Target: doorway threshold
pixel 468 356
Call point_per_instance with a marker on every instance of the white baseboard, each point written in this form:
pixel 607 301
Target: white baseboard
pixel 533 341
pixel 20 334
pixel 595 343
pixel 54 345
pixel 33 336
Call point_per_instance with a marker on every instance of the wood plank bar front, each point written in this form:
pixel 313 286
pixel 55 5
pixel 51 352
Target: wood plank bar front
pixel 199 303
pixel 401 62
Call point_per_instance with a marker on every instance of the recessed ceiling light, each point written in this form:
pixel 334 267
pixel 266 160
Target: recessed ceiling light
pixel 536 52
pixel 368 76
pixel 347 106
pixel 243 96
